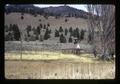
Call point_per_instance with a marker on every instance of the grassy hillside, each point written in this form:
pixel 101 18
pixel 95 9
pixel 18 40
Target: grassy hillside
pixel 15 18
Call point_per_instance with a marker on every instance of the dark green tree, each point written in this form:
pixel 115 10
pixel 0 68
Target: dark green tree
pixel 82 34
pixel 22 17
pixel 16 32
pixel 60 29
pixel 70 40
pixel 62 39
pixel 56 33
pixel 70 30
pixel 47 34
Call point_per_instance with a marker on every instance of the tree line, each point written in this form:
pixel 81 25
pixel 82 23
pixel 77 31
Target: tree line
pixel 43 32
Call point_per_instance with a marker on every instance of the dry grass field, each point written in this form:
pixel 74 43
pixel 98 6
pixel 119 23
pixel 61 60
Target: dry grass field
pixel 57 70
pixel 53 64
pixel 64 66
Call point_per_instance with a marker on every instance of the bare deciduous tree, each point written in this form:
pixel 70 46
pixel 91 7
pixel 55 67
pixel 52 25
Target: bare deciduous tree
pixel 102 18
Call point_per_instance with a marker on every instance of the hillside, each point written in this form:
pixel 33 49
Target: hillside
pixel 54 11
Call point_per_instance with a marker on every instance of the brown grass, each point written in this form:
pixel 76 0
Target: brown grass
pixel 57 66
pixel 58 70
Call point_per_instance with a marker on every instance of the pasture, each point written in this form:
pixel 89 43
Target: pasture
pixel 53 64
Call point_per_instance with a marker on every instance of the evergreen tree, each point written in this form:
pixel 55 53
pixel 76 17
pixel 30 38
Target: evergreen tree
pixel 89 37
pixel 22 17
pixel 56 33
pixel 60 29
pixel 45 26
pixel 47 34
pixel 48 24
pixel 70 40
pixel 40 25
pixel 66 20
pixel 16 32
pixel 62 39
pixel 82 34
pixel 70 30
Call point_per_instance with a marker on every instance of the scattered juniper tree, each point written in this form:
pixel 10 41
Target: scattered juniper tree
pixel 82 34
pixel 60 29
pixel 16 32
pixel 66 20
pixel 62 39
pixel 41 26
pixel 22 17
pixel 45 26
pixel 47 34
pixel 48 25
pixel 70 30
pixel 56 33
pixel 70 39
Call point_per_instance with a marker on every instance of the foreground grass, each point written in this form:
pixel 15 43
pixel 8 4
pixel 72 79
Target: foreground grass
pixel 58 70
pixel 48 55
pixel 56 65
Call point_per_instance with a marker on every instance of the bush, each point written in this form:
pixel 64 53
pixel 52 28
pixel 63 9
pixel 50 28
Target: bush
pixel 60 29
pixel 82 34
pixel 89 37
pixel 22 17
pixel 40 25
pixel 47 34
pixel 48 24
pixel 56 33
pixel 70 40
pixel 45 26
pixel 66 20
pixel 9 36
pixel 70 30
pixel 16 32
pixel 62 39
pixel 76 33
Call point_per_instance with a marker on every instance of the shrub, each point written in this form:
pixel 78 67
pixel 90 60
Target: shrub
pixel 62 39
pixel 22 17
pixel 47 34
pixel 16 32
pixel 66 20
pixel 82 35
pixel 56 33
pixel 70 40
pixel 48 24
pixel 70 30
pixel 60 29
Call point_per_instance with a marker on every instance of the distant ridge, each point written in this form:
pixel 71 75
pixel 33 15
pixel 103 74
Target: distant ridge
pixel 53 11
